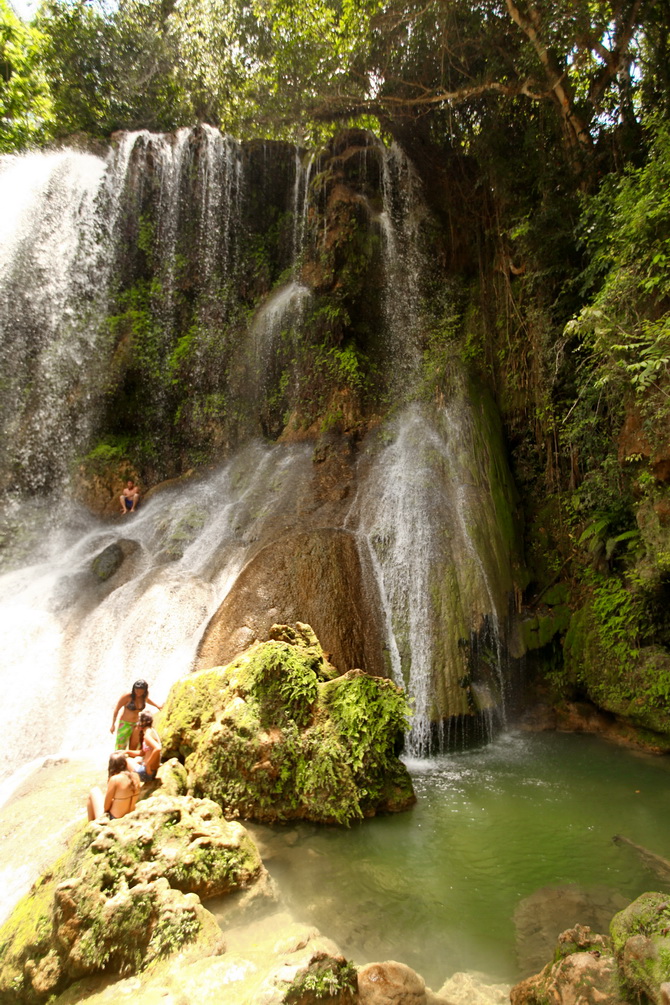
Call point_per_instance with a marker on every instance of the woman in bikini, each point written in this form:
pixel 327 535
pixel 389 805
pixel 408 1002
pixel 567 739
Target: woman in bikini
pixel 122 788
pixel 149 752
pixel 130 705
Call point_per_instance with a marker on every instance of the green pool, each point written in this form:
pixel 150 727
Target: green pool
pixel 507 846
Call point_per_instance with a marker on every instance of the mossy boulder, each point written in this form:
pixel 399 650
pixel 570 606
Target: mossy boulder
pixel 124 895
pixel 641 940
pixel 631 682
pixel 583 972
pixel 277 735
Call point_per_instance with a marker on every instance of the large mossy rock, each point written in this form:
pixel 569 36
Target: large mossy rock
pixel 641 940
pixel 124 895
pixel 277 735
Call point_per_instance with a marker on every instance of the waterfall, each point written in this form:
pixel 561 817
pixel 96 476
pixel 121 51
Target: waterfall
pixel 401 219
pixel 74 642
pixel 185 260
pixel 54 264
pixel 426 514
pixel 279 317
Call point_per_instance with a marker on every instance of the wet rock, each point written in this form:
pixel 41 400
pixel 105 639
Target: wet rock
pixel 316 576
pixel 585 973
pixel 108 561
pixel 641 941
pixel 273 736
pixel 124 896
pixel 392 983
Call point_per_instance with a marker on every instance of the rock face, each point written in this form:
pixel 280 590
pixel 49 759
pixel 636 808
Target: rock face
pixel 315 575
pixel 124 895
pixel 585 973
pixel 277 735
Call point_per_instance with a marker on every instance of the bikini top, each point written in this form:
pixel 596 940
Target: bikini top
pixel 132 707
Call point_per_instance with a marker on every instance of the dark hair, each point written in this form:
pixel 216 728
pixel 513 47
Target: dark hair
pixel 118 762
pixel 146 719
pixel 140 685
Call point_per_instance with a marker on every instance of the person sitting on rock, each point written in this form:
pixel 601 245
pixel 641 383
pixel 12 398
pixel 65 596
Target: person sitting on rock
pixel 123 786
pixel 149 755
pixel 130 706
pixel 130 497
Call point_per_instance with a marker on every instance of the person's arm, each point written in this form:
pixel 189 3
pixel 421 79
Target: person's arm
pixel 110 793
pixel 119 705
pixel 150 701
pixel 131 753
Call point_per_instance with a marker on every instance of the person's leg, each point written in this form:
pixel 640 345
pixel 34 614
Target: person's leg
pixel 95 804
pixel 136 499
pixel 122 500
pixel 134 740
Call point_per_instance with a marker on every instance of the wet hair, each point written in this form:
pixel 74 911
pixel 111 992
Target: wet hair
pixel 118 762
pixel 146 720
pixel 139 685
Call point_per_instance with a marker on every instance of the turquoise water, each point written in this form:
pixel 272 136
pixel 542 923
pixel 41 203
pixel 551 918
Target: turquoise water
pixel 438 887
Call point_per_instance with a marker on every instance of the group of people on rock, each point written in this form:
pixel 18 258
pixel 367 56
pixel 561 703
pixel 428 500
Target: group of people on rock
pixel 136 758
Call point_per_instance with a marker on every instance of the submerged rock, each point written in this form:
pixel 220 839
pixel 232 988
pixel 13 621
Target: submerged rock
pixel 125 895
pixel 277 735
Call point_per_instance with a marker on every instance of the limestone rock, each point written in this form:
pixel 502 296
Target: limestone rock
pixel 125 895
pixel 585 973
pixel 273 736
pixel 271 962
pixel 316 576
pixel 392 983
pixel 641 940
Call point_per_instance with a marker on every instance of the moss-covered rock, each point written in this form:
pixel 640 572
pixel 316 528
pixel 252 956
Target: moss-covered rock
pixel 125 895
pixel 602 657
pixel 641 940
pixel 276 736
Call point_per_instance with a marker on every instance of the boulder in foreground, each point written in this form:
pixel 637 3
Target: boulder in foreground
pixel 126 894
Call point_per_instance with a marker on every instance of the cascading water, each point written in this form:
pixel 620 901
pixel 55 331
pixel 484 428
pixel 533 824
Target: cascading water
pixel 400 221
pixel 54 264
pixel 425 511
pixel 73 642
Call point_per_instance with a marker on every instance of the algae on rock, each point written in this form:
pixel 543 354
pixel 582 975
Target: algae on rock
pixel 276 735
pixel 124 895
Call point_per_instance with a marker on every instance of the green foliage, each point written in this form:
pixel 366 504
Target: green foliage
pixel 369 712
pixel 325 979
pixel 626 230
pixel 283 682
pixel 25 105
